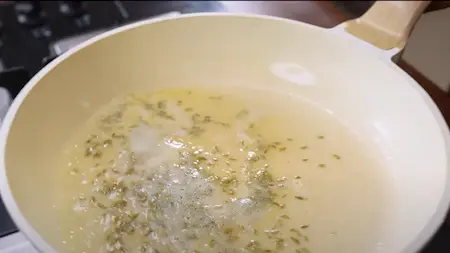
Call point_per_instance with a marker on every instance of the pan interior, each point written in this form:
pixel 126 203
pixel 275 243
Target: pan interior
pixel 332 74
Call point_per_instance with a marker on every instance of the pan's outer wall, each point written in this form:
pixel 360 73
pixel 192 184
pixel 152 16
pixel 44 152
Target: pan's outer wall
pixel 372 96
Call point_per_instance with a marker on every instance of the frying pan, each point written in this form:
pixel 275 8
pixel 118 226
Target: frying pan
pixel 347 70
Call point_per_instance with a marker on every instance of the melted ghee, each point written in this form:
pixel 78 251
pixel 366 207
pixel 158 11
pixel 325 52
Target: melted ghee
pixel 327 186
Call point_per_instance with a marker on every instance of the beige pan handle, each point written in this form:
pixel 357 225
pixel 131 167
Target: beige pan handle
pixel 387 24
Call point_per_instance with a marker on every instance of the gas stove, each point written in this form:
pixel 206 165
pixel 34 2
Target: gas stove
pixel 33 33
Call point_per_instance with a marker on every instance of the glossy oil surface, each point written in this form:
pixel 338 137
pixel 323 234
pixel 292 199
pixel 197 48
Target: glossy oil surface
pixel 333 189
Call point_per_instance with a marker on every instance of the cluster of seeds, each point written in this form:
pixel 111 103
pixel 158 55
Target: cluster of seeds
pixel 180 204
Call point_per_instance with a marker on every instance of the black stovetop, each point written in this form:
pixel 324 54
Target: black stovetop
pixel 27 36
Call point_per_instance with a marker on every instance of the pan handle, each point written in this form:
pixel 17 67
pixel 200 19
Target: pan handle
pixel 387 24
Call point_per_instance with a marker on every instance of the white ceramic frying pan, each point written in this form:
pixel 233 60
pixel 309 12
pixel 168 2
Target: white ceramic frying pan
pixel 347 70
